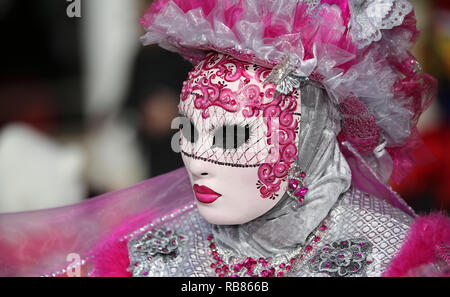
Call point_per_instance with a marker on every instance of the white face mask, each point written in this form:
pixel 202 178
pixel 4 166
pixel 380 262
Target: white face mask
pixel 237 168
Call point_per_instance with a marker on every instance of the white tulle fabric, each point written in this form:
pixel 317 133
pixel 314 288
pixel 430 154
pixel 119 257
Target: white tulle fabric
pixel 370 17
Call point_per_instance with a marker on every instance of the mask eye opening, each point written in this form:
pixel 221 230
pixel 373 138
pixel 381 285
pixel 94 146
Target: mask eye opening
pixel 188 129
pixel 231 136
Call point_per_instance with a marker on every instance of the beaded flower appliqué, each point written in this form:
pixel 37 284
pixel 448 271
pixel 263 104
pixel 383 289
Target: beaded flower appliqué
pixel 342 258
pixel 150 251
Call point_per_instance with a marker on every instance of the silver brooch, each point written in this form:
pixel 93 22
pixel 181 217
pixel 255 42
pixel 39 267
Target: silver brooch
pixel 150 251
pixel 284 78
pixel 287 77
pixel 342 258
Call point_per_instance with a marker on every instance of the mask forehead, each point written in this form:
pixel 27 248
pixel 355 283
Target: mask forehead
pixel 225 82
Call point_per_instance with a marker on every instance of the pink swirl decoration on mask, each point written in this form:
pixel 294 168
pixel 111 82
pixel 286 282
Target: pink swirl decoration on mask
pixel 209 83
pixel 201 83
pixel 281 127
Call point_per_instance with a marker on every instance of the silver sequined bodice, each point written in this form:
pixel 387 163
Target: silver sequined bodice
pixel 356 216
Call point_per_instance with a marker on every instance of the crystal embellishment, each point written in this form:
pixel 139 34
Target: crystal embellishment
pixel 342 258
pixel 226 264
pixel 296 186
pixel 284 77
pixel 152 249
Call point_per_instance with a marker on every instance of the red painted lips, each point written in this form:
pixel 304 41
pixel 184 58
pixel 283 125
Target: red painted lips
pixel 205 194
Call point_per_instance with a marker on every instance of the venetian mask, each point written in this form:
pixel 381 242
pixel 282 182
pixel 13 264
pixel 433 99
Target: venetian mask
pixel 238 140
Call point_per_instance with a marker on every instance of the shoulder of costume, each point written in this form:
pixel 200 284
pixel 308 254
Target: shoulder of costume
pixel 111 257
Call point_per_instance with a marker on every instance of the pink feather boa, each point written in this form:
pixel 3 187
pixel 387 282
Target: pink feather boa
pixel 420 248
pixel 111 255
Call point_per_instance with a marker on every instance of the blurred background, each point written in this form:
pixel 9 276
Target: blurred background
pixel 85 109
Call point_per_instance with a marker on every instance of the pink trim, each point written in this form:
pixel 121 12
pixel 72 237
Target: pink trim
pixel 425 235
pixel 111 255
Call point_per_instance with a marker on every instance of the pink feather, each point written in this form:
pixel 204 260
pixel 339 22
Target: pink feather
pixel 425 235
pixel 111 255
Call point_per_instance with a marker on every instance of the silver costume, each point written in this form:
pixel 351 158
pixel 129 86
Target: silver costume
pixel 361 235
pixel 356 215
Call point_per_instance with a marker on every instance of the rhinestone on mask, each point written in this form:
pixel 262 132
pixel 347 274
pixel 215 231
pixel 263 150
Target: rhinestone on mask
pixel 296 185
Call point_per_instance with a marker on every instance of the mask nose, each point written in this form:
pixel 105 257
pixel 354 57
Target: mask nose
pixel 197 168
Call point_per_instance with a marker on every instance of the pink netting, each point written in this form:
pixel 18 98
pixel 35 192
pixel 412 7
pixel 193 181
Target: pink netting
pixel 38 243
